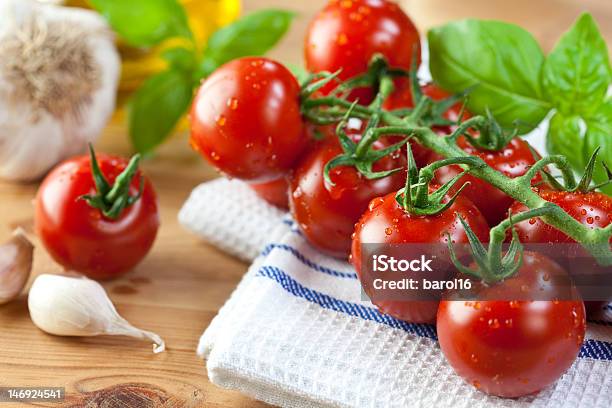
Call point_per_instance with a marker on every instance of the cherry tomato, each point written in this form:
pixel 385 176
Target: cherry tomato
pixel 513 161
pixel 327 214
pixel 592 209
pixel 346 34
pixel 386 222
pixel 246 121
pixel 512 348
pixel 274 192
pixel 80 237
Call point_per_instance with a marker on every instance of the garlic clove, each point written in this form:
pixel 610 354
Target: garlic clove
pixel 16 256
pixel 77 306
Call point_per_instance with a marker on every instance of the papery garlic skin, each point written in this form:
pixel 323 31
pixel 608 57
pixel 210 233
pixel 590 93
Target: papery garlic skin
pixel 74 306
pixel 16 256
pixel 34 139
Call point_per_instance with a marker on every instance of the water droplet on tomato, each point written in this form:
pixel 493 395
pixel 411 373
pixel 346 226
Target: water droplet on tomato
pixel 474 358
pixel 590 220
pixel 514 304
pixel 364 10
pixel 355 17
pixel 532 221
pixel 221 120
pixel 232 103
pixel 388 231
pixel 583 212
pixel 508 323
pixel 476 384
pixel 347 4
pixel 342 39
pixel 494 323
pixel 377 202
pixel 297 193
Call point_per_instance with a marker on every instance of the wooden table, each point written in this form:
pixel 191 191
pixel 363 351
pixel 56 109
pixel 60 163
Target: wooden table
pixel 180 286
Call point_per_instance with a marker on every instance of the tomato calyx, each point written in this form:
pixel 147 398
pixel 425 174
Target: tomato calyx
pixel 415 198
pixel 491 136
pixel 585 185
pixel 492 264
pixel 361 155
pixel 111 200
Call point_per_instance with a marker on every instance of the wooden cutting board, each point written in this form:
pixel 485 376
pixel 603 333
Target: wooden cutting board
pixel 180 286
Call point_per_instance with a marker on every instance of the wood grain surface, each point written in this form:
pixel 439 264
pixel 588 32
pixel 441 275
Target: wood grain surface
pixel 180 286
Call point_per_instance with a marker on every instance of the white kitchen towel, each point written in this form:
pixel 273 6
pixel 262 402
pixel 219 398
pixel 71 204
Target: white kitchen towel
pixel 296 333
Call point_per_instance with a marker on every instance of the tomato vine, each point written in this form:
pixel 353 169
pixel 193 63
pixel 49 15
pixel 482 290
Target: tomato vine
pixel 414 124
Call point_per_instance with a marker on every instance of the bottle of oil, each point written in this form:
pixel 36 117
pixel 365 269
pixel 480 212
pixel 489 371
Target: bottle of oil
pixel 205 16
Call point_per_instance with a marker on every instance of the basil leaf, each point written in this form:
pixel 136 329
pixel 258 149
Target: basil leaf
pixel 577 138
pixel 599 134
pixel 577 72
pixel 180 58
pixel 144 23
pixel 566 137
pixel 501 62
pixel 253 34
pixel 157 107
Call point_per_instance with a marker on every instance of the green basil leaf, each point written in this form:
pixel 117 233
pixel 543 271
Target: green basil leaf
pixel 253 34
pixel 157 107
pixel 501 62
pixel 144 23
pixel 566 136
pixel 599 134
pixel 180 58
pixel 577 72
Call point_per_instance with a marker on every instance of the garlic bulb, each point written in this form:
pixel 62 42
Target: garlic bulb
pixel 15 265
pixel 59 71
pixel 75 306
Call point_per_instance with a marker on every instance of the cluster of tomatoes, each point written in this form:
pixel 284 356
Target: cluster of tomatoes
pixel 246 120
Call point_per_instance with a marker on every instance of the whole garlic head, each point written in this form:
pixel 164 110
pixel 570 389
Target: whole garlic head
pixel 59 70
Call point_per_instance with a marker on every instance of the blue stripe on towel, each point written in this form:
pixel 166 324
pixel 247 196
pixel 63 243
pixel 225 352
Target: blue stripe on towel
pixel 302 258
pixel 595 349
pixel 352 309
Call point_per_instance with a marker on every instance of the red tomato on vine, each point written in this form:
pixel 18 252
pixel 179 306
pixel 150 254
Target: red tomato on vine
pixel 386 222
pixel 511 348
pixel 513 160
pixel 246 120
pixel 327 213
pixel 346 34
